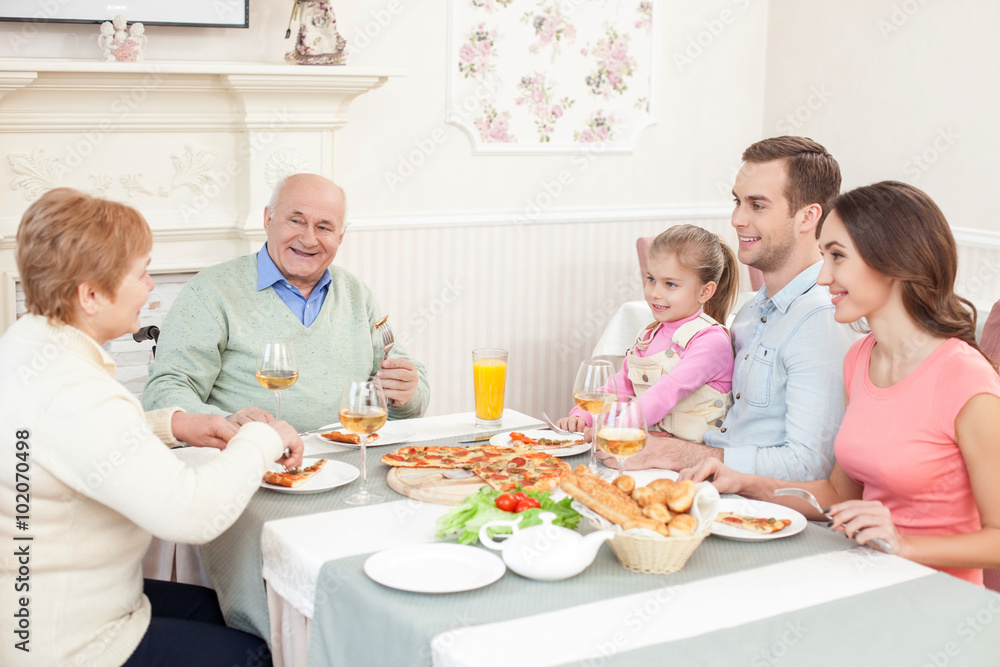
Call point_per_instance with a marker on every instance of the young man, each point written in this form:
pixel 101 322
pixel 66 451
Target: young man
pixel 787 381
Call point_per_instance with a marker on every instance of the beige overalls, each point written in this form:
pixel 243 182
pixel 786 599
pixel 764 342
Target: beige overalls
pixel 702 409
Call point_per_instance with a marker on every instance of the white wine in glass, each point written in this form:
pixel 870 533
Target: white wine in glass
pixel 621 430
pixel 363 411
pixel 276 369
pixel 595 385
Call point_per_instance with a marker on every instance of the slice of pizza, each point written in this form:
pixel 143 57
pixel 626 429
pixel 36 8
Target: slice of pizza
pixel 532 471
pixel 348 437
pixel 294 477
pixel 520 439
pixel 754 524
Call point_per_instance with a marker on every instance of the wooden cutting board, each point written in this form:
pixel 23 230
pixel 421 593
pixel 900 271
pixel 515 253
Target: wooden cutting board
pixel 435 488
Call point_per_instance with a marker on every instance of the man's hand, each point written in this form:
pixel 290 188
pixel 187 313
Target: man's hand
pixel 292 442
pixel 663 451
pixel 247 415
pixel 202 430
pixel 724 478
pixel 399 381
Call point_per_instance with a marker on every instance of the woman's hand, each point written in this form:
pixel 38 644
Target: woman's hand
pixel 575 424
pixel 722 477
pixel 202 430
pixel 293 447
pixel 866 520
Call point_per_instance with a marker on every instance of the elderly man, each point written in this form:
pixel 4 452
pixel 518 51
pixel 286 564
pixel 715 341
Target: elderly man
pixel 787 382
pixel 206 355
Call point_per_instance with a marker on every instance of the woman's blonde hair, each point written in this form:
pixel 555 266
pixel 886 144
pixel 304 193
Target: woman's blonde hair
pixel 709 258
pixel 67 238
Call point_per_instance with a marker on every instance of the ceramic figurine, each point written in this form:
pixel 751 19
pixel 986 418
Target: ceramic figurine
pixel 121 44
pixel 318 41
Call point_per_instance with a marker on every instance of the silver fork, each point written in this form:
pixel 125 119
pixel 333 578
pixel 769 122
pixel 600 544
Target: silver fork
pixel 552 425
pixel 811 499
pixel 388 340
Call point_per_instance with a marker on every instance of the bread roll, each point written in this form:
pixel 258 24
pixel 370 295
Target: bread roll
pixel 682 524
pixel 625 483
pixel 648 524
pixel 680 497
pixel 643 495
pixel 662 484
pixel 658 512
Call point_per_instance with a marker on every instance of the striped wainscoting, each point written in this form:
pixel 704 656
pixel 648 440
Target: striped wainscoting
pixel 543 291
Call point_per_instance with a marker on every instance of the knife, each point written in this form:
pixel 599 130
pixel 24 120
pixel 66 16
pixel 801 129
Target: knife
pixel 482 438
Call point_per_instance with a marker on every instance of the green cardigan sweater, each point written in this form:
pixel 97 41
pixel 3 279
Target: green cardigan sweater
pixel 207 351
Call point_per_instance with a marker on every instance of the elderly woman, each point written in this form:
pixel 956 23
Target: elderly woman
pixel 89 477
pixel 917 451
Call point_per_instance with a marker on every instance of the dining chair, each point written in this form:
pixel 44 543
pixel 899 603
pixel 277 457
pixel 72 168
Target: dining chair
pixel 990 340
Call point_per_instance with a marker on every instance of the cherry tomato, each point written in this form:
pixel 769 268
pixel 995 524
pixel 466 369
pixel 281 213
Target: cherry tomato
pixel 506 502
pixel 522 505
pixel 519 495
pixel 534 501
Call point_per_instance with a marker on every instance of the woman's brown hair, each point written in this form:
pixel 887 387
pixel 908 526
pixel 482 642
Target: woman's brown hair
pixel 67 238
pixel 709 258
pixel 901 233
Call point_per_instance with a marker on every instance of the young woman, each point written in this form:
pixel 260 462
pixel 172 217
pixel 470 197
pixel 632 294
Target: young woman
pixel 917 451
pixel 94 477
pixel 681 366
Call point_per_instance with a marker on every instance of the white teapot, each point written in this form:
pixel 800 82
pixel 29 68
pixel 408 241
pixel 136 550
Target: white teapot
pixel 546 552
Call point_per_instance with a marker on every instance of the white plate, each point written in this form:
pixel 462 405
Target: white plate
pixel 437 567
pixel 393 433
pixel 503 440
pixel 761 509
pixel 330 476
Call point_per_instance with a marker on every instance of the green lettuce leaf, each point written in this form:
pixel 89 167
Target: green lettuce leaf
pixel 471 514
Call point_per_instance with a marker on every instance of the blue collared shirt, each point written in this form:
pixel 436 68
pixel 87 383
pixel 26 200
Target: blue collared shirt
pixel 788 386
pixel 305 310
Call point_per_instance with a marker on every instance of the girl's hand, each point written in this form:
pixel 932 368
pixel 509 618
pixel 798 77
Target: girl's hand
pixel 575 424
pixel 866 520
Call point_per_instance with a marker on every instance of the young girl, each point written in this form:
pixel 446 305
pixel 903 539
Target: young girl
pixel 917 451
pixel 681 366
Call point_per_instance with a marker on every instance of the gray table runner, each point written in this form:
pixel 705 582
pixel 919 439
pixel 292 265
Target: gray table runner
pixel 936 620
pixel 361 622
pixel 233 560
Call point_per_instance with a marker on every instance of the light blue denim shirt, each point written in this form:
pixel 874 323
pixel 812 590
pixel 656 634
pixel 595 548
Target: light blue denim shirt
pixel 306 310
pixel 788 383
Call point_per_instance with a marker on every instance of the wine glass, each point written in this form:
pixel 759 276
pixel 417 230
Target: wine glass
pixel 276 369
pixel 595 384
pixel 621 429
pixel 363 411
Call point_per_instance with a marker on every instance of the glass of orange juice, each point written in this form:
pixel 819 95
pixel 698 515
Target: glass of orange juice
pixel 489 376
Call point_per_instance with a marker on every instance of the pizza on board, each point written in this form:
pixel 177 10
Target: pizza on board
pixel 502 468
pixel 294 477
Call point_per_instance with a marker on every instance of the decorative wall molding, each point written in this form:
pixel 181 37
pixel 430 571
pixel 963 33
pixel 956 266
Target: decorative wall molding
pixel 195 144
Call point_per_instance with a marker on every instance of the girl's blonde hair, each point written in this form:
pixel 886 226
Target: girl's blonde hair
pixel 709 258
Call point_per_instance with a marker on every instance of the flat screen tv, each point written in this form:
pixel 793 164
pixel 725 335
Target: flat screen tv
pixel 205 13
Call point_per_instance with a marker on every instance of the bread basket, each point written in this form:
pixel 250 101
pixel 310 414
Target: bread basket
pixel 651 553
pixel 642 551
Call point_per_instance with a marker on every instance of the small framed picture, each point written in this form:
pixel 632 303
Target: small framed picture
pixel 214 14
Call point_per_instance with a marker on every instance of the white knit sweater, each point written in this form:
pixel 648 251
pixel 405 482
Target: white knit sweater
pixel 101 481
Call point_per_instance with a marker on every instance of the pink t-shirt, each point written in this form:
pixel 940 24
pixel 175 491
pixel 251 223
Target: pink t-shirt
pixel 708 359
pixel 899 441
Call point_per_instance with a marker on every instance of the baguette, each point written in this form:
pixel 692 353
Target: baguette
pixel 602 497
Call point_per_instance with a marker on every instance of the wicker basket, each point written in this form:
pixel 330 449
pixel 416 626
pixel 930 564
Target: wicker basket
pixel 654 554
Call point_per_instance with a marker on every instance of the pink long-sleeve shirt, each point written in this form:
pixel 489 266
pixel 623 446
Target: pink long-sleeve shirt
pixel 708 359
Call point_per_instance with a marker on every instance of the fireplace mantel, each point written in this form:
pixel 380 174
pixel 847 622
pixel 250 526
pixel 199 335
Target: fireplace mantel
pixel 195 146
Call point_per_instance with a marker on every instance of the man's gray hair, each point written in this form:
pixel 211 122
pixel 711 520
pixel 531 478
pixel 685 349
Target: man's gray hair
pixel 280 185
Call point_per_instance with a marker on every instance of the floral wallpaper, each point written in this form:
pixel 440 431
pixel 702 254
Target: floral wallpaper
pixel 551 74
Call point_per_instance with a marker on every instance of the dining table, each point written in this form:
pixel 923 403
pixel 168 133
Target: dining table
pixel 292 569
